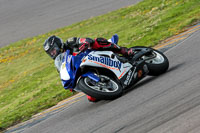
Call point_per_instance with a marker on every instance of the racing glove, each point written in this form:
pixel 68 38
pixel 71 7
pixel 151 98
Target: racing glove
pixel 84 46
pixel 84 43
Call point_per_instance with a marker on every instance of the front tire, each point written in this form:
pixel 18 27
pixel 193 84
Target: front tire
pixel 108 90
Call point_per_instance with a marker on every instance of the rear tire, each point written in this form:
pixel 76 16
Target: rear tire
pixel 157 65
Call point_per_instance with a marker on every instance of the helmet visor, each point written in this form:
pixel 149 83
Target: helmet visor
pixel 54 51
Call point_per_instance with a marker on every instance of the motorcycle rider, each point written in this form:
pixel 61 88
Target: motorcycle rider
pixel 55 48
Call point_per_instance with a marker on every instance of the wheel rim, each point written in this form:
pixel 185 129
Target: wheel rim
pixel 109 86
pixel 157 60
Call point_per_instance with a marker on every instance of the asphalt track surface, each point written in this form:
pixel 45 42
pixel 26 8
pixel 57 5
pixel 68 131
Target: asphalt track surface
pixel 169 103
pixel 20 19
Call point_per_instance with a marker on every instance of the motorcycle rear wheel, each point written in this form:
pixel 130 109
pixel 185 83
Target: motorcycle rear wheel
pixel 157 65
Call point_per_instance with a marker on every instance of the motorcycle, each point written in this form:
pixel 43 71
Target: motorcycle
pixel 104 75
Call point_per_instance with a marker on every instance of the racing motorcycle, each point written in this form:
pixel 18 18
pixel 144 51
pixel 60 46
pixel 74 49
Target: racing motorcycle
pixel 104 75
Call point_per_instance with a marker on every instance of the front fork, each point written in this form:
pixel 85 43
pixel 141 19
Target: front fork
pixel 92 76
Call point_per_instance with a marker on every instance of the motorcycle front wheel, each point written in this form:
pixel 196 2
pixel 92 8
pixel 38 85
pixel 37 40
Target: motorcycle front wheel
pixel 106 89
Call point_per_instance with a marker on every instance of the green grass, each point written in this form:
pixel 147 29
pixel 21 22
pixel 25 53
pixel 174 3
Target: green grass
pixel 29 82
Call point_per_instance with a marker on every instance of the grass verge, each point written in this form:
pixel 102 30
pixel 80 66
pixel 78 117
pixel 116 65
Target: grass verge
pixel 29 82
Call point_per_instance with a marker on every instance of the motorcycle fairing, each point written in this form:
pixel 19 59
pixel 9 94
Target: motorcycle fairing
pixel 105 59
pixel 69 68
